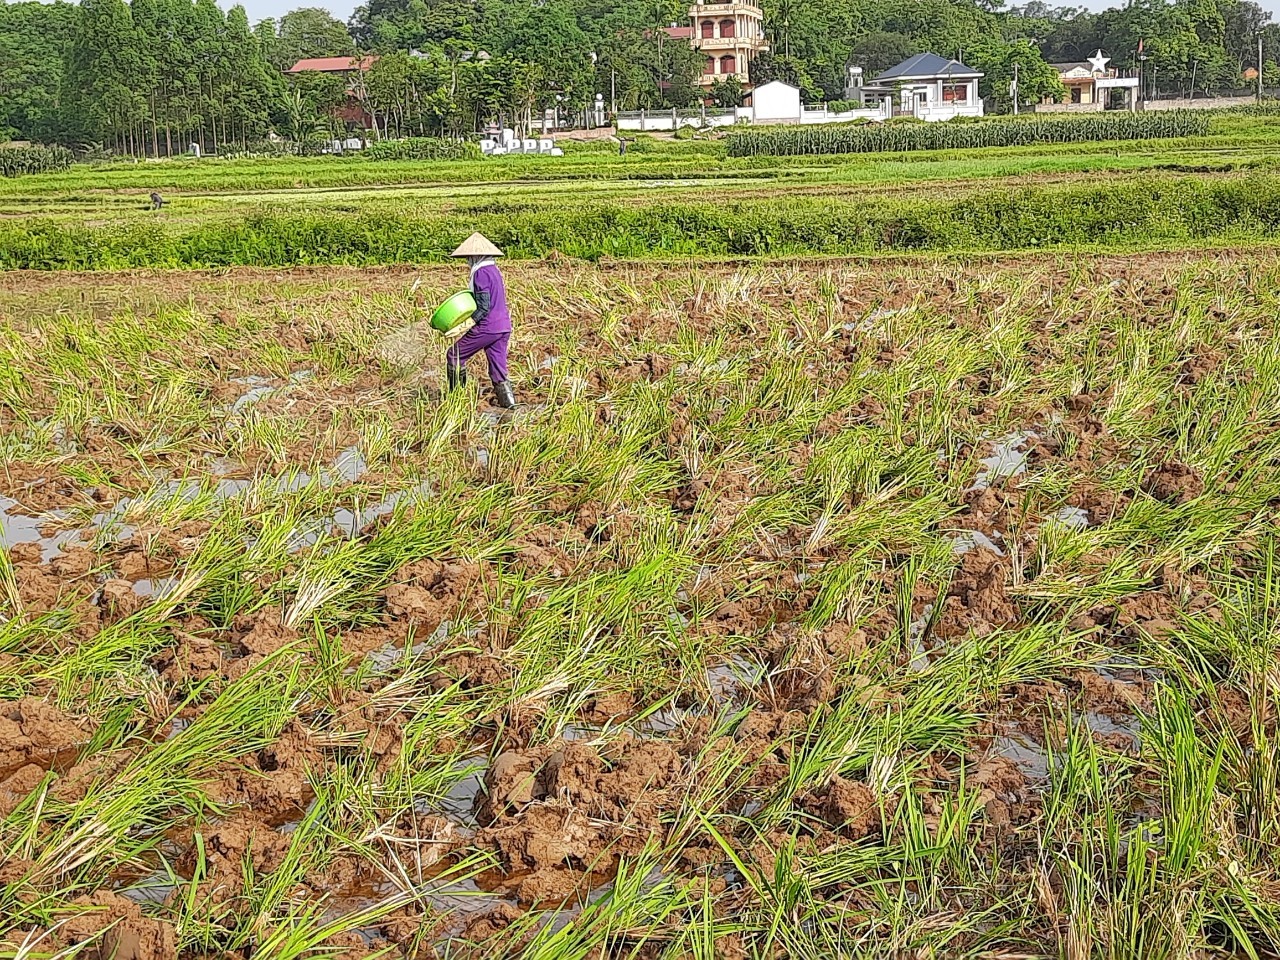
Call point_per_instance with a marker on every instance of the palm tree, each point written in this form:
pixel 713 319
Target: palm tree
pixel 302 124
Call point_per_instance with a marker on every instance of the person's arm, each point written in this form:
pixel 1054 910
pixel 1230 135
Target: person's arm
pixel 484 298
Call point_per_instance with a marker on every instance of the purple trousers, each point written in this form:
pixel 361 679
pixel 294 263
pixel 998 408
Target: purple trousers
pixel 494 346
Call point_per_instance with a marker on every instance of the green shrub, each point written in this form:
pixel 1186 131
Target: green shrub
pixel 896 135
pixel 1144 211
pixel 843 106
pixel 16 161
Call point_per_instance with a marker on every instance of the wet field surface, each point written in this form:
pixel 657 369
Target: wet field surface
pixel 870 599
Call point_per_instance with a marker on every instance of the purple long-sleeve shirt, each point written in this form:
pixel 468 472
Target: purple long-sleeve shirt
pixel 492 315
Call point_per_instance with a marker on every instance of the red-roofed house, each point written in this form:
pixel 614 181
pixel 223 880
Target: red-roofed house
pixel 333 64
pixel 352 112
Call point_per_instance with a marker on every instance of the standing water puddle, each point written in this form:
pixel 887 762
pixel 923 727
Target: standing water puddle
pixel 16 528
pixel 459 801
pixel 350 465
pixel 967 540
pixel 259 389
pixel 729 678
pixel 1075 518
pixel 1027 755
pixel 154 588
pixel 152 890
pixel 1008 459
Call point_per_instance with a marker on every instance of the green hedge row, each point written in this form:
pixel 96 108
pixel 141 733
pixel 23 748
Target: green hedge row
pixel 1170 212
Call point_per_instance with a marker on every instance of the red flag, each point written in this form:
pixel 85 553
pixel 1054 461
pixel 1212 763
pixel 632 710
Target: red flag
pixel 1139 46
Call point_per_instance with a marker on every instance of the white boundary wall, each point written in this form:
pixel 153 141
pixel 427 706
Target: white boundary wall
pixel 1203 103
pixel 669 120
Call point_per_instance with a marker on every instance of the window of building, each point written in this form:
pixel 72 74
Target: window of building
pixel 728 64
pixel 711 65
pixel 955 93
pixel 726 28
pixel 708 29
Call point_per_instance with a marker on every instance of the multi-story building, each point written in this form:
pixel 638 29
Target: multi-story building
pixel 730 34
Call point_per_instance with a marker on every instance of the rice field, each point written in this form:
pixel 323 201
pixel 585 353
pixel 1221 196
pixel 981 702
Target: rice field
pixel 903 608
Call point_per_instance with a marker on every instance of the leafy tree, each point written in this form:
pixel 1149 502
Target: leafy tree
pixel 388 25
pixel 303 122
pixel 1243 23
pixel 819 36
pixel 726 93
pixel 34 42
pixel 1037 81
pixel 99 91
pixel 881 49
pixel 321 93
pixel 250 89
pixel 769 66
pixel 949 28
pixel 309 32
pixel 549 37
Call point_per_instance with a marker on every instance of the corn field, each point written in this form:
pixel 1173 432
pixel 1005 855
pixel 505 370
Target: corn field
pixel 15 161
pixel 878 138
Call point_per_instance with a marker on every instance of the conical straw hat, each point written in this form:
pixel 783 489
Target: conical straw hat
pixel 476 245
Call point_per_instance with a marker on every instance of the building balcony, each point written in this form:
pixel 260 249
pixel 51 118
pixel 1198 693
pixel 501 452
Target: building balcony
pixel 707 79
pixel 713 44
pixel 700 10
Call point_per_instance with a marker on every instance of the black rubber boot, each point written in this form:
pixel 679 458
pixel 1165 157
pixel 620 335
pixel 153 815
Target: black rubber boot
pixel 506 396
pixel 457 377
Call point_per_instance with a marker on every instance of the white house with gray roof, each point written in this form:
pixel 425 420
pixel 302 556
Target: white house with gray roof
pixel 926 86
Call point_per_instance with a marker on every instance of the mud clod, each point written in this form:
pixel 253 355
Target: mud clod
pixel 36 732
pixel 849 807
pixel 977 598
pixel 120 929
pixel 1174 482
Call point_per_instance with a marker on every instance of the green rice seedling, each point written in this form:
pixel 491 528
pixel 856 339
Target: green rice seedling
pixel 120 817
pixel 726 525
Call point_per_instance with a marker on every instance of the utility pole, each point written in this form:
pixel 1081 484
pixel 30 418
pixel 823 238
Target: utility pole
pixel 1013 88
pixel 1259 68
pixel 613 90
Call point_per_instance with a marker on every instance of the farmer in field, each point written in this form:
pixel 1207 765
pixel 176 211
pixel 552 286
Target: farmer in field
pixel 492 321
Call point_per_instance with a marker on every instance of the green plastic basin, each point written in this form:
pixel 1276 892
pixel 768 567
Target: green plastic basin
pixel 457 309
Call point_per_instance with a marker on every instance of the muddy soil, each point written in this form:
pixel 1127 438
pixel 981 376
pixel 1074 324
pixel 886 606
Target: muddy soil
pixel 444 644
